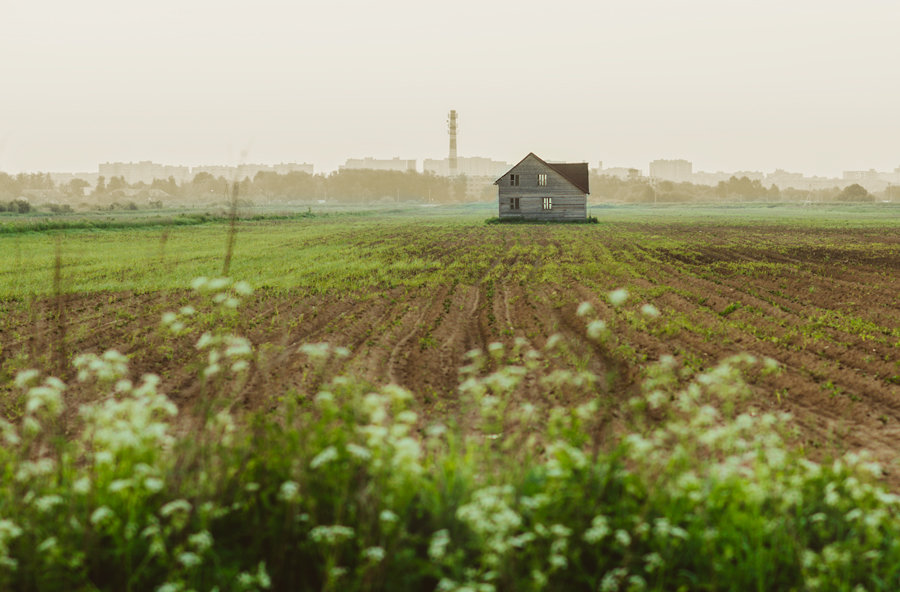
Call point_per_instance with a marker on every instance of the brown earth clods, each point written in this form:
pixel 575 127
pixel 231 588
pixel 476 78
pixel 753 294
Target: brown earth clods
pixel 829 315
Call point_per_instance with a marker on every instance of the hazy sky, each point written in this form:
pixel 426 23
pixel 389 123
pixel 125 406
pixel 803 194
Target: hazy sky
pixel 806 85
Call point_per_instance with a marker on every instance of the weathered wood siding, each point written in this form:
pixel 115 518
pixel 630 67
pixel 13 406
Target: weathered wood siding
pixel 568 201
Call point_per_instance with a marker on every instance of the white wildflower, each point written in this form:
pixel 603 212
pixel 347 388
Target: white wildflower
pixel 189 559
pixel 205 341
pixel 47 545
pixel 388 516
pixel 316 351
pixel 331 534
pixel 618 297
pixel 201 540
pixel 359 452
pixel 324 457
pixel 81 485
pixel 101 515
pixel 119 485
pixel 407 416
pixel 243 288
pixel 219 283
pixel 438 545
pixel 598 530
pixel 596 329
pixel 178 505
pixel 26 377
pixel 47 502
pixel 648 310
pixel 288 492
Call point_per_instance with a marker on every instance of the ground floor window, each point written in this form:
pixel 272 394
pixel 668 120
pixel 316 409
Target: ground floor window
pixel 548 203
pixel 514 203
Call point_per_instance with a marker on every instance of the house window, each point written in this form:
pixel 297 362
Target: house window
pixel 514 203
pixel 514 180
pixel 542 180
pixel 548 203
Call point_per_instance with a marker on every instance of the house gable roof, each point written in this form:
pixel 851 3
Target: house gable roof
pixel 575 173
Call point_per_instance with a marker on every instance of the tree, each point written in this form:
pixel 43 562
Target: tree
pixel 9 186
pixel 855 192
pixel 116 183
pixel 169 185
pixel 76 187
pixel 745 188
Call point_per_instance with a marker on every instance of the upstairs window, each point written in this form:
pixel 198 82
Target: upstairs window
pixel 548 203
pixel 542 180
pixel 514 180
pixel 514 203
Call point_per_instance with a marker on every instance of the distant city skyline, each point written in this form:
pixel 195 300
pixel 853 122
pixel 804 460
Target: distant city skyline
pixel 483 170
pixel 683 170
pixel 805 85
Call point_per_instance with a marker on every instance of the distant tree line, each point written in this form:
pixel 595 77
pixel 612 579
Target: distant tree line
pixel 12 187
pixel 735 189
pixel 339 186
pixel 266 186
pixel 20 193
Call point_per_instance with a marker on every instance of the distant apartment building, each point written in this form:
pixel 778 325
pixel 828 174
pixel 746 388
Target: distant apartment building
pixel 379 164
pixel 671 170
pixel 624 173
pixel 248 171
pixel 470 166
pixel 862 177
pixel 784 179
pixel 871 179
pixel 711 179
pixel 143 171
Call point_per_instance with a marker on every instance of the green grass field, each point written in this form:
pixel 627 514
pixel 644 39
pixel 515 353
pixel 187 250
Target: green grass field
pixel 347 251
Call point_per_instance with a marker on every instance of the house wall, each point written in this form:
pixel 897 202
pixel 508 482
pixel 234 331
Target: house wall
pixel 568 201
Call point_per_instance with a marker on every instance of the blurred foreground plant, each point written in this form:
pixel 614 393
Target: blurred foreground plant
pixel 349 488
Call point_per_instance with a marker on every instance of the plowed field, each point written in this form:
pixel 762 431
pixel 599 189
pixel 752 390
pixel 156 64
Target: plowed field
pixel 409 297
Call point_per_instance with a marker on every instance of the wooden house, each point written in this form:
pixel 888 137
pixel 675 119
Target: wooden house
pixel 539 190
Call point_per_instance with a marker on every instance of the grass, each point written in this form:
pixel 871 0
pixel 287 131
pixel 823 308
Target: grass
pixel 365 250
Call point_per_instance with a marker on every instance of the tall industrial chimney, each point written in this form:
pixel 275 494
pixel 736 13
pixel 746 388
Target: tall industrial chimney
pixel 452 127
